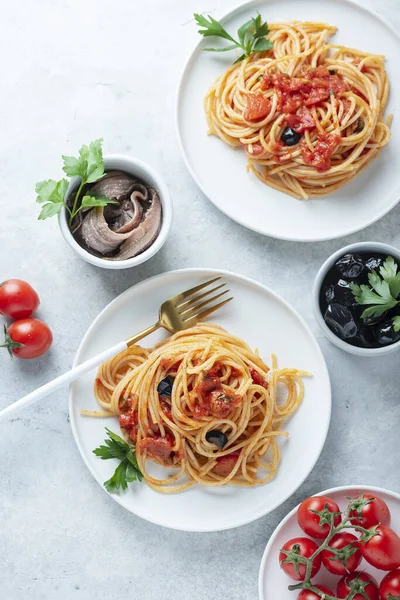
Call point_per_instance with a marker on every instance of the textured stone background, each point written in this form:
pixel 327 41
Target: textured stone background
pixel 72 71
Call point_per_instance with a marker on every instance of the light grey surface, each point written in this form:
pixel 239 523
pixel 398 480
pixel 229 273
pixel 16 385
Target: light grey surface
pixel 72 71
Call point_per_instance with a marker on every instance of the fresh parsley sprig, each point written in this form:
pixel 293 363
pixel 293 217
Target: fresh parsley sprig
pixel 383 292
pixel 128 469
pixel 89 167
pixel 251 35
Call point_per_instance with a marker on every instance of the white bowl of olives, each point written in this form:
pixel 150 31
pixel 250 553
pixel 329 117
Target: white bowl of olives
pixel 356 298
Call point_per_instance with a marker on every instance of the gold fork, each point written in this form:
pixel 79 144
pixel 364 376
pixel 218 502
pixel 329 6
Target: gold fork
pixel 185 309
pixel 176 314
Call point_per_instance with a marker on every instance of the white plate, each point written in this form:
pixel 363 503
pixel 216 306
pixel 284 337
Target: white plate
pixel 272 581
pixel 262 319
pixel 220 171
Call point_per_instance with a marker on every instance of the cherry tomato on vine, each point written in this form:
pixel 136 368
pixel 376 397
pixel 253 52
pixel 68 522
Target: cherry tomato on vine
pixel 347 560
pixel 28 338
pixel 374 513
pixel 310 522
pixel 382 551
pixel 308 595
pixel 361 582
pixel 18 299
pixel 390 585
pixel 301 547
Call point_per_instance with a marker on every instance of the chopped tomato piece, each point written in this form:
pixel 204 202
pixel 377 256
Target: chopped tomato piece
pixel 257 107
pixel 166 408
pixel 128 420
pixel 222 404
pixel 159 448
pixel 266 81
pixel 254 149
pixel 320 156
pixel 289 102
pixel 226 463
pixel 316 95
pixel 258 379
pixel 208 383
pixel 301 121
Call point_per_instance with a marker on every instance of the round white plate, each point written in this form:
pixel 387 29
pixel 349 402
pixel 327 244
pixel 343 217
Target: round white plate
pixel 220 171
pixel 266 322
pixel 272 581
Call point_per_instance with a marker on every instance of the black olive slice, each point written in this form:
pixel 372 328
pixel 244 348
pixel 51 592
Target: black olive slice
pixel 290 137
pixel 216 437
pixel 164 388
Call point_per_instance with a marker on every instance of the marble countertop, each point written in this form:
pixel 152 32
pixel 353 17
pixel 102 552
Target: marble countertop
pixel 73 71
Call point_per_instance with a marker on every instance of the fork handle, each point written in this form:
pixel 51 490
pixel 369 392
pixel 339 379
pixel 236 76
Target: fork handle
pixel 74 373
pixel 67 377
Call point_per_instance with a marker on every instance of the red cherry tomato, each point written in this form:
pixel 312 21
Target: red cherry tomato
pixel 357 581
pixel 301 546
pixel 28 338
pixel 390 585
pixel 375 512
pixel 334 563
pixel 310 522
pixel 18 299
pixel 382 551
pixel 308 595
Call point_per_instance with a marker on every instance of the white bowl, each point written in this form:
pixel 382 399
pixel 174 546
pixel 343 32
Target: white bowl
pixel 141 170
pixel 373 247
pixel 273 582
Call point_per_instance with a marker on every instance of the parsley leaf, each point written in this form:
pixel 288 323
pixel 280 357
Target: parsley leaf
pixel 51 191
pixel 389 273
pixel 96 200
pixel 382 293
pixel 251 35
pixel 89 167
pixel 396 323
pixel 49 210
pixel 128 470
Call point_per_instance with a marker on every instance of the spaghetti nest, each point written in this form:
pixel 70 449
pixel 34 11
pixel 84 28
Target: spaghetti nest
pixel 309 114
pixel 204 403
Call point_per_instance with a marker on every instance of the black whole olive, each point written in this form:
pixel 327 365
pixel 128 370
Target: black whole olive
pixel 331 72
pixel 373 263
pixel 164 388
pixel 216 437
pixel 290 137
pixel 350 266
pixel 385 333
pixel 329 292
pixel 340 320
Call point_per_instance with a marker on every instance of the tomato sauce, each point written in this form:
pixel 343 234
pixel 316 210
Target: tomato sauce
pixel 320 156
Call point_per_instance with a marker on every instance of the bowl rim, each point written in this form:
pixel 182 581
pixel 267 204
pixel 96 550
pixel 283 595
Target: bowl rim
pixel 166 220
pixel 380 247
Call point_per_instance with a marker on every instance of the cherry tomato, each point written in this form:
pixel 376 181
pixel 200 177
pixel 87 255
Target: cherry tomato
pixel 336 566
pixel 382 551
pixel 18 299
pixel 390 585
pixel 375 512
pixel 310 522
pixel 28 338
pixel 357 581
pixel 308 595
pixel 301 546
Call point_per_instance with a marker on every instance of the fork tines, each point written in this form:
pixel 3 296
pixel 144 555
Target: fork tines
pixel 190 304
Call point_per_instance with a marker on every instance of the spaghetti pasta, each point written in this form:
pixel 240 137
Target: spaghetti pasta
pixel 309 114
pixel 216 384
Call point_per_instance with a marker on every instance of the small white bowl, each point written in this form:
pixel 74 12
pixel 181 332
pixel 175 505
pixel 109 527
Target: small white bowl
pixel 143 171
pixel 373 247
